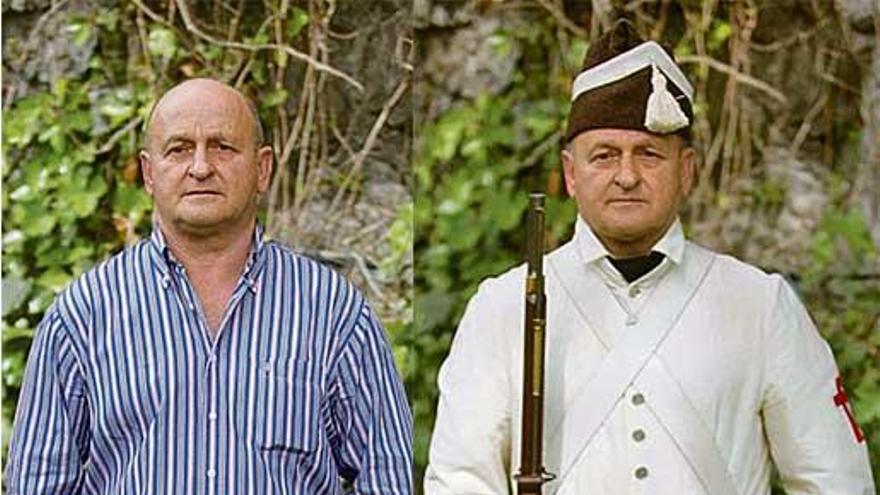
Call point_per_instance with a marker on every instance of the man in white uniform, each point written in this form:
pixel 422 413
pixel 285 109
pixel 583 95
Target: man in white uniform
pixel 670 369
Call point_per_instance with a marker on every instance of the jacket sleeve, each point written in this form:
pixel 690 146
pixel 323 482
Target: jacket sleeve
pixel 49 443
pixel 815 444
pixel 470 445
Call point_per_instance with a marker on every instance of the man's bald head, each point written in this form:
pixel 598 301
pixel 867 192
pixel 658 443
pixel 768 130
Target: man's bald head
pixel 208 89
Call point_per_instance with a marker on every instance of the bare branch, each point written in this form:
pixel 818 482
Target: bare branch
pixel 119 134
pixel 739 76
pixel 370 141
pixel 193 28
pixel 562 19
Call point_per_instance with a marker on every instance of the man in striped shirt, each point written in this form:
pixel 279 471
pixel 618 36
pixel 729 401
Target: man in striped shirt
pixel 204 360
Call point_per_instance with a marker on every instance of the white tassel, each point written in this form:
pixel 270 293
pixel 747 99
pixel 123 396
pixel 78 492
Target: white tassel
pixel 663 114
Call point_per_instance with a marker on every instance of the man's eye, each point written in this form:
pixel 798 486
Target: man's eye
pixel 176 150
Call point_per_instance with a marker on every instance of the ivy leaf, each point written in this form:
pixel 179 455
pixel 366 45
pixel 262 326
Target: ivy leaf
pixel 54 279
pixel 432 309
pixel 719 34
pixel 13 369
pixel 33 218
pixel 162 43
pixel 297 20
pixel 275 97
pixel 84 201
pixel 15 292
pixel 81 32
pixel 12 333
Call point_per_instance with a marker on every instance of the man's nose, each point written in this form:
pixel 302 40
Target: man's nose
pixel 627 176
pixel 200 168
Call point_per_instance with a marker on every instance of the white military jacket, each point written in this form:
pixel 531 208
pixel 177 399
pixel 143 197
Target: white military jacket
pixel 691 380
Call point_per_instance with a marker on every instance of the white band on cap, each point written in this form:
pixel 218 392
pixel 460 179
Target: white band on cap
pixel 628 63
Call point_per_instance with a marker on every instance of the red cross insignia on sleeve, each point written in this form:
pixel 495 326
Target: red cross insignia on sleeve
pixel 842 400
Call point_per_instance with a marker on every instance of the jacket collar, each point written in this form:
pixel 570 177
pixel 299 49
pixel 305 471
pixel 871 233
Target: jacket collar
pixel 672 243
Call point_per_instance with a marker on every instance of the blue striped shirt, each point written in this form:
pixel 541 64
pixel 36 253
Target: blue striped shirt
pixel 125 391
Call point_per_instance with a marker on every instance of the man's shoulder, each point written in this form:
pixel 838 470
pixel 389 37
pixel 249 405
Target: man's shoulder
pixel 309 274
pixel 110 271
pixel 281 255
pixel 734 281
pixel 732 269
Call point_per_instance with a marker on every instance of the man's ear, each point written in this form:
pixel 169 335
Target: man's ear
pixel 146 171
pixel 265 162
pixel 688 165
pixel 568 165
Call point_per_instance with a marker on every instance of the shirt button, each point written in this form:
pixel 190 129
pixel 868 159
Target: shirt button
pixel 641 472
pixel 212 416
pixel 211 473
pixel 634 292
pixel 639 435
pixel 638 399
pixel 631 320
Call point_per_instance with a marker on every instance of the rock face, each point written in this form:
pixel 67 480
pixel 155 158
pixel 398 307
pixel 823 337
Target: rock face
pixel 862 18
pixel 868 178
pixel 42 45
pixel 460 56
pixel 770 220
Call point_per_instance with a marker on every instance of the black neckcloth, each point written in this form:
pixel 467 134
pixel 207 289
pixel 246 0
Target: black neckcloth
pixel 634 268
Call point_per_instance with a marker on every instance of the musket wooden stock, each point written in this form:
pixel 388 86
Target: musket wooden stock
pixel 531 475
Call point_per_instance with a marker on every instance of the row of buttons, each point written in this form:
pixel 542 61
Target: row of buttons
pixel 639 435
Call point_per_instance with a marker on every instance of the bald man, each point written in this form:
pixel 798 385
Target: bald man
pixel 205 359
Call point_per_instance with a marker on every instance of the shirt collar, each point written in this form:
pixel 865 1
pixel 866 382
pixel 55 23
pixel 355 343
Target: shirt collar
pixel 591 249
pixel 167 259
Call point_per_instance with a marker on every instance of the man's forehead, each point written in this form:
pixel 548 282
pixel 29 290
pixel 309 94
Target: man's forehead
pixel 200 98
pixel 202 108
pixel 199 114
pixel 621 137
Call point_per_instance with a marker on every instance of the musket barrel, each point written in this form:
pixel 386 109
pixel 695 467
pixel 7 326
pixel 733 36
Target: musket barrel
pixel 531 475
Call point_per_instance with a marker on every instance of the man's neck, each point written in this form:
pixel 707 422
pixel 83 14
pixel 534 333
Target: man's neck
pixel 221 253
pixel 634 249
pixel 214 265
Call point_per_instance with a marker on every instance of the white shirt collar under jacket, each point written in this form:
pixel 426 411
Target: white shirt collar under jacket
pixel 592 250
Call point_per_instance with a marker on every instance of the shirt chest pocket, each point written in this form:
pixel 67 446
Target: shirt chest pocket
pixel 279 411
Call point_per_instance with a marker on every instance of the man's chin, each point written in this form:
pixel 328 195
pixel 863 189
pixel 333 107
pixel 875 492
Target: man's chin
pixel 629 232
pixel 201 224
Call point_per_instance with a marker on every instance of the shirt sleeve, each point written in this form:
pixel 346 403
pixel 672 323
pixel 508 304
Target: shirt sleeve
pixel 372 423
pixel 470 445
pixel 815 443
pixel 49 443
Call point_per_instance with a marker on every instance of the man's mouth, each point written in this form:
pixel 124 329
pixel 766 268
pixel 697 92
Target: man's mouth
pixel 201 193
pixel 626 201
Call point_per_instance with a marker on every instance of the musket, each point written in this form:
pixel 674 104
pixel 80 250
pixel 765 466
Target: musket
pixel 531 475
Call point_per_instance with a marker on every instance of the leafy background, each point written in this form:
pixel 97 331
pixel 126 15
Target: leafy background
pixel 784 128
pixel 332 83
